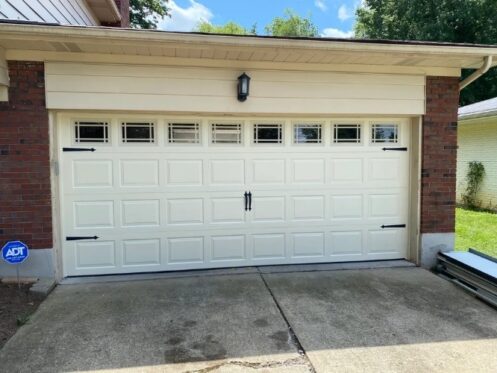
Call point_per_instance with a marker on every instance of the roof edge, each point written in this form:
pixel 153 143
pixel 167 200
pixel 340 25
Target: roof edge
pixel 129 34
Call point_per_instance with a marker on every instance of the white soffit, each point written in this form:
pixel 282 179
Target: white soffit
pixel 112 41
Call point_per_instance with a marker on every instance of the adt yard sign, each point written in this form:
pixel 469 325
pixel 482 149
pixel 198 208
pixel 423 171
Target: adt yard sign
pixel 15 252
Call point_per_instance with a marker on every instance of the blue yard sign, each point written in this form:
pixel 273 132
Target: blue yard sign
pixel 15 252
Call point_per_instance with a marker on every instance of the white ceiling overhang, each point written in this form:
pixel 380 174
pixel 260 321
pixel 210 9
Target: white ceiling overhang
pixel 51 42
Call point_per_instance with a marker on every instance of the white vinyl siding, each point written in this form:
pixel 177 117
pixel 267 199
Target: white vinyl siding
pixel 65 12
pixel 477 141
pixel 210 90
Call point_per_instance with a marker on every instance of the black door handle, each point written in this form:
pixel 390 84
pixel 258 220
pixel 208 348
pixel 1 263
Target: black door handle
pixel 250 201
pixel 246 201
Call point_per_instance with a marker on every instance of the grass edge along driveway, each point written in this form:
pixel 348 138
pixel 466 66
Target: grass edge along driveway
pixel 477 230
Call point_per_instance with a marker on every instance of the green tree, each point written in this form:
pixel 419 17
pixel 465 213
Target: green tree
pixel 146 14
pixel 456 21
pixel 293 25
pixel 230 28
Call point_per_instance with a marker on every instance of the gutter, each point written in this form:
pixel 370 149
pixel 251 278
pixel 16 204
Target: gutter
pixel 487 64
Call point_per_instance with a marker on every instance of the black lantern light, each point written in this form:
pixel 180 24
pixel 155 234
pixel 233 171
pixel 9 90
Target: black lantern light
pixel 243 87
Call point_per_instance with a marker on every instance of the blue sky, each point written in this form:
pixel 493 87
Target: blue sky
pixel 334 18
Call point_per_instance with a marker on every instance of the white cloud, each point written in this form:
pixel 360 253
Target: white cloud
pixel 185 19
pixel 336 33
pixel 344 13
pixel 321 5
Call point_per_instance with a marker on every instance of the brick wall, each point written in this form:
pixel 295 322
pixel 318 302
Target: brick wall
pixel 25 202
pixel 438 174
pixel 123 6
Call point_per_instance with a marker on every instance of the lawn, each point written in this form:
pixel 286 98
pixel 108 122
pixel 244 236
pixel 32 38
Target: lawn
pixel 477 230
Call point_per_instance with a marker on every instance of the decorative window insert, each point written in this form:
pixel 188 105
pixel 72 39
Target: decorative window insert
pixel 268 133
pixel 226 133
pixel 138 132
pixel 88 131
pixel 184 133
pixel 347 133
pixel 307 133
pixel 385 133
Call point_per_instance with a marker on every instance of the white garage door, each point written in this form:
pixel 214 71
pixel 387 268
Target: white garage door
pixel 141 194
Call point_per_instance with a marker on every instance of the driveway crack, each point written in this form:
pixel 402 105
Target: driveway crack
pixel 253 365
pixel 293 336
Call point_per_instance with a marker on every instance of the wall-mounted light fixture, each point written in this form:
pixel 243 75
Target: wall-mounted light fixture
pixel 243 87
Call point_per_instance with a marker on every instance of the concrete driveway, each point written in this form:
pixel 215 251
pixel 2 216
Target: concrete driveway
pixel 388 320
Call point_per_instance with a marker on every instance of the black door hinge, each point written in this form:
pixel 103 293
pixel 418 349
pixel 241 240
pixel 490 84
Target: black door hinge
pixel 393 226
pixel 395 149
pixel 78 149
pixel 80 238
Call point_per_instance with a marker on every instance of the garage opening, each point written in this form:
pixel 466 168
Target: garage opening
pixel 158 193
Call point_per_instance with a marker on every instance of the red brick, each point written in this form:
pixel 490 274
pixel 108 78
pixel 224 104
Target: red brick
pixel 438 182
pixel 25 197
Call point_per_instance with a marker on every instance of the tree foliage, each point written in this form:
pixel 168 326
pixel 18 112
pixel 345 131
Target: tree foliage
pixel 146 14
pixel 230 28
pixel 293 25
pixel 456 21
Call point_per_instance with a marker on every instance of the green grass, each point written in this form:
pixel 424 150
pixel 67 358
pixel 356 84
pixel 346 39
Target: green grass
pixel 476 229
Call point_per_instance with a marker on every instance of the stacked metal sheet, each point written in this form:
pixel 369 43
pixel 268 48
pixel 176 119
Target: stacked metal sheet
pixel 474 271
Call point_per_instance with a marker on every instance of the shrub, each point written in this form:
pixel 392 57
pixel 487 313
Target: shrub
pixel 474 179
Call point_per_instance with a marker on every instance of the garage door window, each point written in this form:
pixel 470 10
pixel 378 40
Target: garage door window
pixel 307 133
pixel 268 133
pixel 347 133
pixel 226 133
pixel 142 132
pixel 385 133
pixel 95 132
pixel 184 133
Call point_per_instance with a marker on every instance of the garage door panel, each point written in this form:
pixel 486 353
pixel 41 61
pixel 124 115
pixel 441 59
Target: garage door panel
pixel 159 207
pixel 95 255
pixel 268 209
pixel 228 248
pixel 308 171
pixel 348 171
pixel 388 172
pixel 345 206
pixel 346 243
pixel 385 241
pixel 184 173
pixel 227 172
pixel 92 174
pixel 308 208
pixel 139 173
pixel 142 253
pixel 268 171
pixel 186 250
pixel 269 246
pixel 311 244
pixel 93 214
pixel 185 211
pixel 228 210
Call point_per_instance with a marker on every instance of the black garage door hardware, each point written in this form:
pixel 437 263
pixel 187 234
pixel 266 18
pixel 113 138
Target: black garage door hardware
pixel 78 149
pixel 80 238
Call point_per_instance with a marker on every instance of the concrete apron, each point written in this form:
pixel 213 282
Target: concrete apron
pixel 403 319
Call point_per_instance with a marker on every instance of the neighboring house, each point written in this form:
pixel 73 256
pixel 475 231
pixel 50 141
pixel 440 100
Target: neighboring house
pixel 67 12
pixel 477 140
pixel 127 151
